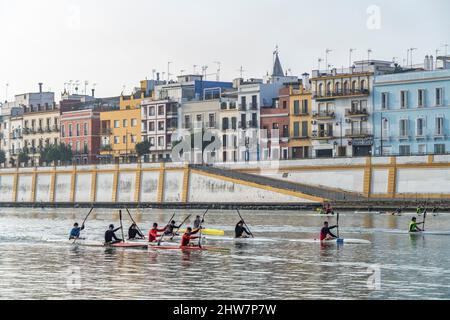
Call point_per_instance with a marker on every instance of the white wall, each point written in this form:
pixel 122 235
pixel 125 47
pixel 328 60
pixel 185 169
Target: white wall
pixel 83 187
pixel 149 186
pixel 43 185
pixel 423 181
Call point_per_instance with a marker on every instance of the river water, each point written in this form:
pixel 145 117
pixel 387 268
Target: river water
pixel 37 262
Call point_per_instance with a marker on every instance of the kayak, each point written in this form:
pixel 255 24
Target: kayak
pixel 210 232
pixel 244 240
pixel 334 241
pixel 423 233
pixel 188 248
pixel 127 245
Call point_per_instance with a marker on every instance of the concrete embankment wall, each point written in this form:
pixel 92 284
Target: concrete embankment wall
pixel 421 177
pixel 134 184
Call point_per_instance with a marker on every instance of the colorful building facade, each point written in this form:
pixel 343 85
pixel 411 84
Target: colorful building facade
pixel 412 113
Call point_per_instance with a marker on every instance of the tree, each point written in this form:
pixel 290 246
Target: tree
pixel 2 157
pixel 23 157
pixel 143 148
pixel 55 153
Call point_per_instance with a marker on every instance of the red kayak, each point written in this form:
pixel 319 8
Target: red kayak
pixel 191 248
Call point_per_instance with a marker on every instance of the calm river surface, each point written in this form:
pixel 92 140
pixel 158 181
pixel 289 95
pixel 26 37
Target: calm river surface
pixel 37 262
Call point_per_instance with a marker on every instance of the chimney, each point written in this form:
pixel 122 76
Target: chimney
pixel 93 92
pixel 305 81
pixel 40 87
pixel 157 76
pixel 431 63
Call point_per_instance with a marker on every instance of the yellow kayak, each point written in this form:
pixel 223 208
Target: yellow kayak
pixel 209 232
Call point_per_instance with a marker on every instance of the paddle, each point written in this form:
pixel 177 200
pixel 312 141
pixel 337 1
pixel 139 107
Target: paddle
pixel 248 229
pixel 121 225
pixel 200 226
pixel 90 211
pixel 131 217
pixel 424 218
pixel 162 236
pixel 337 224
pixel 184 221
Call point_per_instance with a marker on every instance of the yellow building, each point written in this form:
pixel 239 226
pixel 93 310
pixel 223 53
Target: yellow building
pixel 121 129
pixel 300 104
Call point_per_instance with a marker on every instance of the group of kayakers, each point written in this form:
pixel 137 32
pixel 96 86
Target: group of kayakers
pixel 155 233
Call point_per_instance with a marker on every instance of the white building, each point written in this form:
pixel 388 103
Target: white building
pixel 342 109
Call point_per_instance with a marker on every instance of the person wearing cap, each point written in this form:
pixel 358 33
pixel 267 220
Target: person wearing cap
pixel 110 236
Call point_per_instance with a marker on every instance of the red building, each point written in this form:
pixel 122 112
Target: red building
pixel 81 130
pixel 276 117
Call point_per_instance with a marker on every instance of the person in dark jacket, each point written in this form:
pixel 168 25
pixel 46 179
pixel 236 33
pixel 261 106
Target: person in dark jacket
pixel 240 230
pixel 134 233
pixel 110 235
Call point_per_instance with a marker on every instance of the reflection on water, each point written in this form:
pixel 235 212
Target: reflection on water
pixel 36 262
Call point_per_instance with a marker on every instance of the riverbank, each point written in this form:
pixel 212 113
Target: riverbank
pixel 363 206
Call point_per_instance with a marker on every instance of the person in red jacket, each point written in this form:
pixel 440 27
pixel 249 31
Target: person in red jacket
pixel 153 233
pixel 188 236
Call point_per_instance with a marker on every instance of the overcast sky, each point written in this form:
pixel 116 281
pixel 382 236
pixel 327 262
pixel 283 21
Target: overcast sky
pixel 116 43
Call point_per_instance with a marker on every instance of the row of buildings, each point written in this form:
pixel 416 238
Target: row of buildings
pixel 376 108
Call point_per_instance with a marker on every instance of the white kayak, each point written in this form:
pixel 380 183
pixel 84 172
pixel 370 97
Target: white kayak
pixel 423 233
pixel 334 241
pixel 244 240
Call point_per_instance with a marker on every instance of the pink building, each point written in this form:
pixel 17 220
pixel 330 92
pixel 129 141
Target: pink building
pixel 81 130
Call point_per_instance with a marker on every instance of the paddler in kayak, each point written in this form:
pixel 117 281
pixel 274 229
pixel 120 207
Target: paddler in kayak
pixel 326 234
pixel 110 236
pixel 413 226
pixel 75 232
pixel 169 231
pixel 198 222
pixel 134 233
pixel 240 229
pixel 188 236
pixel 153 233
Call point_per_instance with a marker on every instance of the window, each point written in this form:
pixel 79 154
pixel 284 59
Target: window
pixel 144 126
pixel 305 129
pixel 420 98
pixel 116 124
pixel 234 123
pixel 124 139
pixel 78 146
pixel 187 122
pixel 345 87
pixel 320 90
pixel 133 122
pixel 212 120
pixel 133 138
pixel 275 126
pixel 144 111
pixel 225 124
pixel 161 141
pixel 404 150
pixel 284 104
pixel 420 127
pixel 439 96
pixel 161 125
pixel 199 118
pixel 63 131
pixel 152 141
pixel 243 102
pixel 439 126
pixel 161 110
pixel 85 147
pixel 86 129
pixel 296 107
pixel 385 127
pixel 124 123
pixel 285 131
pixel 70 130
pixel 151 111
pixel 254 101
pixel 329 89
pixel 337 88
pixel 439 148
pixel 404 99
pixel 116 140
pixel 404 128
pixel 78 130
pixel 296 129
pixel 304 106
pixel 151 126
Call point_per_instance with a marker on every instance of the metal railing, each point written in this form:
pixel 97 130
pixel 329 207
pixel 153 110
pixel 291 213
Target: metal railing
pixel 341 93
pixel 358 132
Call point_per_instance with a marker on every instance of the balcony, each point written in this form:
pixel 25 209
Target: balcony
pixel 106 132
pixel 358 133
pixel 55 128
pixel 242 107
pixel 322 135
pixel 341 94
pixel 356 113
pixel 40 130
pixel 48 129
pixel 106 148
pixel 211 124
pixel 324 115
pixel 253 106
